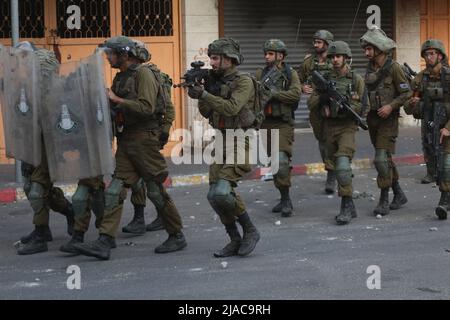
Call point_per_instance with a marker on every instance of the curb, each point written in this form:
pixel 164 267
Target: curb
pixel 9 195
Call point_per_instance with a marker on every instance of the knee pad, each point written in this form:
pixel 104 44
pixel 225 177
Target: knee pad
pixel 36 197
pixel 80 200
pixel 155 194
pixel 446 174
pixel 285 166
pixel 382 162
pixel 221 196
pixel 343 171
pixel 112 194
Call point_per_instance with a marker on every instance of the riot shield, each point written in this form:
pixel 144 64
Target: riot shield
pixel 21 99
pixel 78 133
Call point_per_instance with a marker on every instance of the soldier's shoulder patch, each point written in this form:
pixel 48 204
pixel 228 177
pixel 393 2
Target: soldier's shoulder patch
pixel 404 86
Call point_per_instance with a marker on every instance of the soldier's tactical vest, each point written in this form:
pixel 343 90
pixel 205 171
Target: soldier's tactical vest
pixel 223 87
pixel 275 108
pixel 314 65
pixel 380 86
pixel 345 86
pixel 125 86
pixel 436 91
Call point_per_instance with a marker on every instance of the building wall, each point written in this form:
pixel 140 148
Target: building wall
pixel 407 36
pixel 200 20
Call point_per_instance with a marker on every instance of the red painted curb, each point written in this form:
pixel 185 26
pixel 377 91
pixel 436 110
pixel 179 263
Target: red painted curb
pixel 7 195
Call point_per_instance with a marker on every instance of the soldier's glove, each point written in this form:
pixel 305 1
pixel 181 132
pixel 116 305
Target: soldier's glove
pixel 196 92
pixel 418 111
pixel 163 139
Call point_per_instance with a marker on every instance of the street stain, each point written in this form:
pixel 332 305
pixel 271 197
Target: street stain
pixel 429 290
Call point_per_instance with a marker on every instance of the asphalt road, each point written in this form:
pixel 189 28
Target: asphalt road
pixel 303 257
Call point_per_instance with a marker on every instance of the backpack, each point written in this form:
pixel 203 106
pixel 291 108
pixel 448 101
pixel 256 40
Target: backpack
pixel 164 91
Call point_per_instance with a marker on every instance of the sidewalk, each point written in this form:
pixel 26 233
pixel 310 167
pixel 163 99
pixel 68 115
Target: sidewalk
pixel 306 161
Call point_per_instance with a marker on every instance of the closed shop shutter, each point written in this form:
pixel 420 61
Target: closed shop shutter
pixel 252 22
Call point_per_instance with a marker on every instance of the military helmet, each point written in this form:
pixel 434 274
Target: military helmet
pixel 275 45
pixel 324 35
pixel 339 47
pixel 121 44
pixel 377 38
pixel 141 51
pixel 433 44
pixel 226 47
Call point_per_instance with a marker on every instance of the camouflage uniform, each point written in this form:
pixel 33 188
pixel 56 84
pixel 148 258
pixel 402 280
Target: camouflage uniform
pixel 38 187
pixel 386 86
pixel 340 129
pixel 229 95
pixel 279 114
pixel 311 63
pixel 138 154
pixel 432 87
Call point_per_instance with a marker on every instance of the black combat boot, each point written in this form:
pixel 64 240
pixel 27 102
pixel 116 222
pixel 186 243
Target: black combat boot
pixel 285 206
pixel 175 242
pixel 137 225
pixel 399 197
pixel 431 173
pixel 156 224
pixel 441 210
pixel 77 237
pixel 99 248
pixel 383 205
pixel 232 248
pixel 330 185
pixel 251 235
pixel 47 235
pixel 37 244
pixel 348 211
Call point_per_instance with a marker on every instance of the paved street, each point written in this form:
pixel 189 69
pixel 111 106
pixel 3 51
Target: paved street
pixel 303 257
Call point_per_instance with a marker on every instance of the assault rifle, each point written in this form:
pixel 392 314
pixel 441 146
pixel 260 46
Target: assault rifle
pixel 329 87
pixel 196 75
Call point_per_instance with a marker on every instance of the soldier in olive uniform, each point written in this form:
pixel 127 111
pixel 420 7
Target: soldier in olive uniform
pixel 388 90
pixel 431 94
pixel 90 197
pixel 138 198
pixel 38 187
pixel 339 126
pixel 226 100
pixel 134 93
pixel 318 62
pixel 285 86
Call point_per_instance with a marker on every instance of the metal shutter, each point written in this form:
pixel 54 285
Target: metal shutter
pixel 252 22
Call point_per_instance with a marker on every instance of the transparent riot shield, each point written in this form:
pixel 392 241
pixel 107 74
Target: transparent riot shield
pixel 78 130
pixel 20 96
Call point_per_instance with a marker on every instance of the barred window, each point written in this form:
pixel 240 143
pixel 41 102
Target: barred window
pixel 31 19
pixel 143 18
pixel 95 19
